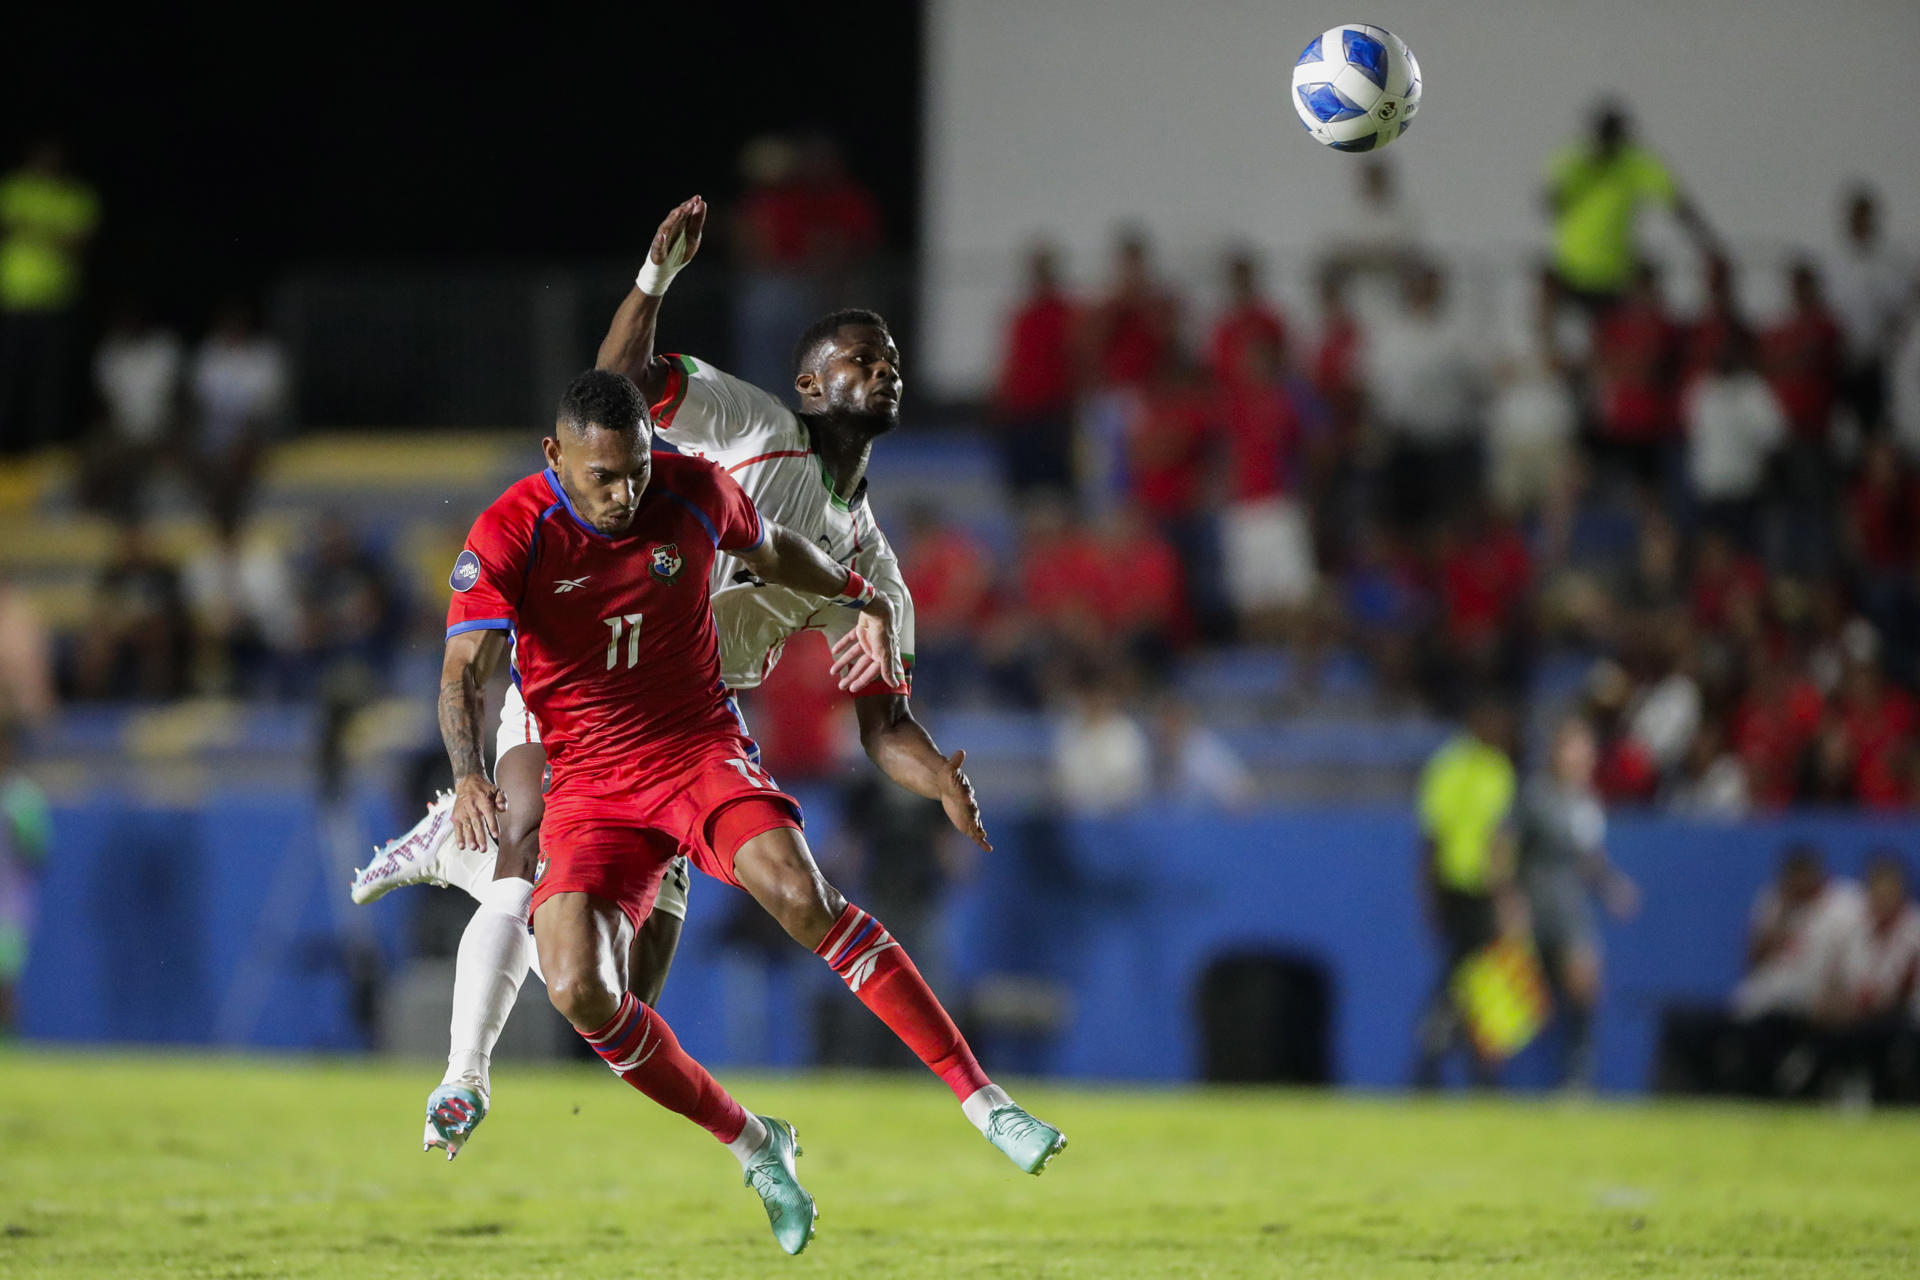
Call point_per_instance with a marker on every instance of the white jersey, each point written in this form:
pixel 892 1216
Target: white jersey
pixel 764 446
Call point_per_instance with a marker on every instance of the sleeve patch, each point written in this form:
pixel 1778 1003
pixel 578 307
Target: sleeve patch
pixel 466 571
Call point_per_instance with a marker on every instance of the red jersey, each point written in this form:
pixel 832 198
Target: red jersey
pixel 1239 329
pixel 614 643
pixel 1802 356
pixel 1036 371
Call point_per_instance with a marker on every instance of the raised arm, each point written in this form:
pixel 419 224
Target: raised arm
pixel 471 657
pixel 628 346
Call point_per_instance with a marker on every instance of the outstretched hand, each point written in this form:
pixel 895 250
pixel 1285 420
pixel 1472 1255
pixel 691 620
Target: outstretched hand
pixel 678 238
pixel 957 798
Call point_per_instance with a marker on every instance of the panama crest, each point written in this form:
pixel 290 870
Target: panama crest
pixel 667 562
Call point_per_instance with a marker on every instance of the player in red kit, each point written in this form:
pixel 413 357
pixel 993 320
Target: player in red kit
pixel 599 568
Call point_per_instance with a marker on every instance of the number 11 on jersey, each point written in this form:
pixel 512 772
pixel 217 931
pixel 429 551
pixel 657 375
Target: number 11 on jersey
pixel 627 624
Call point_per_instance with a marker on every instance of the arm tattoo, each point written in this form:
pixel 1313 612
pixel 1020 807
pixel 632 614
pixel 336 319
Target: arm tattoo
pixel 460 723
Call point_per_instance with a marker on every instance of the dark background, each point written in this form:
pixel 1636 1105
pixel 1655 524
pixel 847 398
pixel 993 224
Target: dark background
pixel 229 146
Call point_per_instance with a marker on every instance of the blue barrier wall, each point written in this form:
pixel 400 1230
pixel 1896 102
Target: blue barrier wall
pixel 220 924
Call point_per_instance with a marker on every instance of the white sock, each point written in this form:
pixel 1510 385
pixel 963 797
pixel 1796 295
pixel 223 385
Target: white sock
pixel 753 1136
pixel 982 1103
pixel 491 964
pixel 470 869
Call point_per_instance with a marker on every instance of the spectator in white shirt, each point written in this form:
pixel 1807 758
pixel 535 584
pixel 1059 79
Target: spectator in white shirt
pixel 245 611
pixel 1799 926
pixel 1195 765
pixel 1534 415
pixel 136 371
pixel 1867 288
pixel 239 387
pixel 1712 783
pixel 1868 1035
pixel 1733 423
pixel 1878 970
pixel 1425 382
pixel 136 374
pixel 1102 760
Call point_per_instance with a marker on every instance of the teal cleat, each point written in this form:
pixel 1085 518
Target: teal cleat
pixel 454 1111
pixel 1028 1142
pixel 790 1210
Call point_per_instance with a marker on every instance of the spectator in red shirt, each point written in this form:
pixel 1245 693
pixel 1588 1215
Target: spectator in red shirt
pixel 1720 326
pixel 1883 513
pixel 800 710
pixel 1802 355
pixel 801 227
pixel 1169 438
pixel 1482 571
pixel 1266 540
pixel 1130 333
pixel 1061 586
pixel 1033 401
pixel 1142 603
pixel 1774 728
pixel 1877 718
pixel 776 296
pixel 1172 445
pixel 1634 351
pixel 1249 319
pixel 842 218
pixel 1722 572
pixel 948 571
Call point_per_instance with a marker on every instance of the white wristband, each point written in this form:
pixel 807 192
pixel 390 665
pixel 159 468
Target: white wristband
pixel 654 276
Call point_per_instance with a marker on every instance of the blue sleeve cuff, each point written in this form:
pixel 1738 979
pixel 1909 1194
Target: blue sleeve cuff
pixel 480 624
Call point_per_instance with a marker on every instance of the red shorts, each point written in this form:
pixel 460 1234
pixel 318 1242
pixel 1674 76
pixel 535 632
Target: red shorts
pixel 613 837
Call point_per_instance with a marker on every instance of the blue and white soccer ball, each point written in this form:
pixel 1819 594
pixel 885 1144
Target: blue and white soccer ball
pixel 1356 87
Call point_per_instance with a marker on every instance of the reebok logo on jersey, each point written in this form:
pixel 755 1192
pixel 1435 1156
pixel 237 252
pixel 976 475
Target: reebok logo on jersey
pixel 667 563
pixel 563 585
pixel 466 572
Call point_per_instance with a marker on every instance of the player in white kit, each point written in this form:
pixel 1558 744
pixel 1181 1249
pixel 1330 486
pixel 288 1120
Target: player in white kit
pixel 806 471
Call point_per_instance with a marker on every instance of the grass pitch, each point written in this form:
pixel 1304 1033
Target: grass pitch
pixel 129 1168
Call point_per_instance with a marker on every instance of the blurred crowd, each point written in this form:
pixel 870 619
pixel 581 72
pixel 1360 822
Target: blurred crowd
pixel 1699 521
pixel 1707 515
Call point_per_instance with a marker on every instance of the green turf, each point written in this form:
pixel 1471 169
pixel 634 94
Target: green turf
pixel 130 1168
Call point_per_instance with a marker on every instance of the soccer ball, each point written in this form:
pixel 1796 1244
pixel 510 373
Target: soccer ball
pixel 1356 87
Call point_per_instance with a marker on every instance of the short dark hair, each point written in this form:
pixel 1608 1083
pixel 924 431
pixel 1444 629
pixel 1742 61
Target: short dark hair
pixel 824 329
pixel 605 399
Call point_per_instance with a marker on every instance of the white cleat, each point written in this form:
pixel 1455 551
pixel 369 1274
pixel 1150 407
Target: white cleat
pixel 421 856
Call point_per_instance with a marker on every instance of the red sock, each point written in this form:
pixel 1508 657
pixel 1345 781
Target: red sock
pixel 876 969
pixel 640 1047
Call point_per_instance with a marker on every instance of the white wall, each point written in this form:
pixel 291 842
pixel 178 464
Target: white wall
pixel 1065 117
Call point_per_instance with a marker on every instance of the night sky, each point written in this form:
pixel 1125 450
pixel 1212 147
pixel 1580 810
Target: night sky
pixel 224 154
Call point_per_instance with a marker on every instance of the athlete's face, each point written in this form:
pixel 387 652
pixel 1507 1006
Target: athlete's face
pixel 857 376
pixel 604 472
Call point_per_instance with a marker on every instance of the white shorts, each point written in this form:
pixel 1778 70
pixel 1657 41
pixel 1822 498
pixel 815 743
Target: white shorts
pixel 1269 554
pixel 517 728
